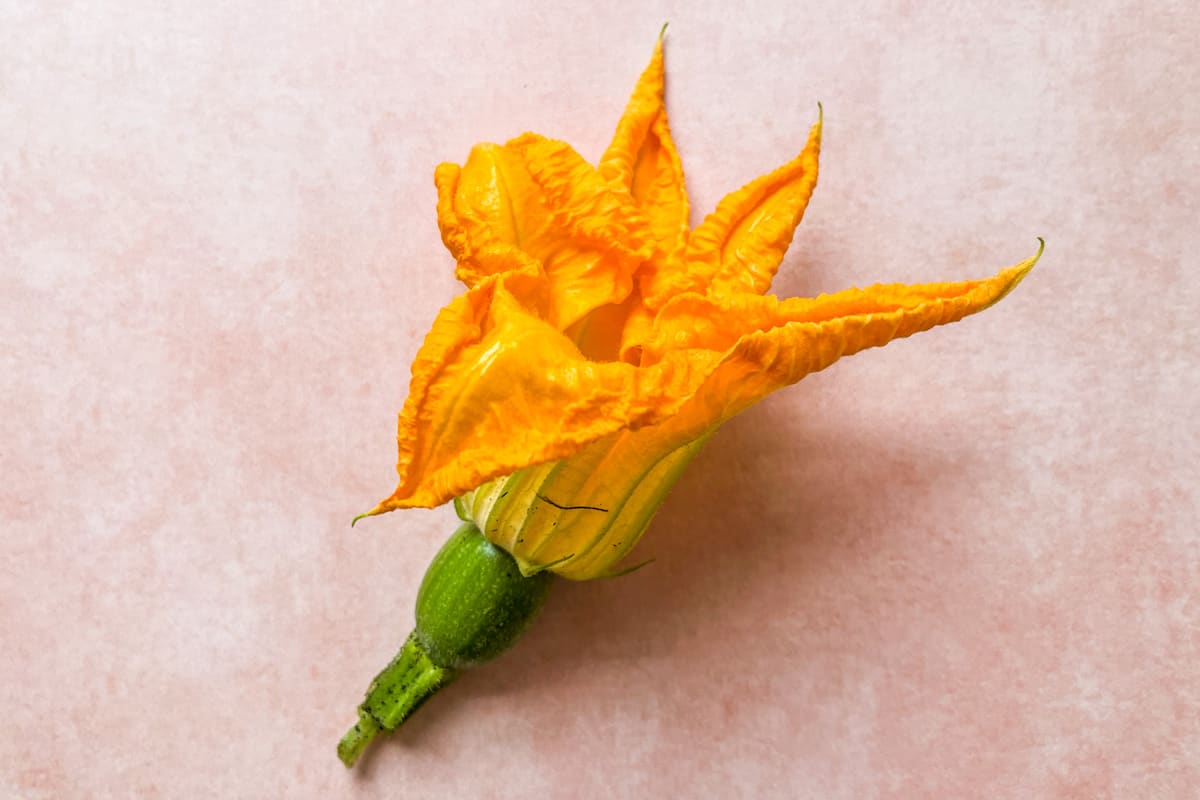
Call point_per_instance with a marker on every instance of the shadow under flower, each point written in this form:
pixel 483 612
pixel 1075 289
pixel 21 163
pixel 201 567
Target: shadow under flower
pixel 772 505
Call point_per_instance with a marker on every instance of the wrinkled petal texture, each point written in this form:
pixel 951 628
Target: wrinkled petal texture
pixel 642 159
pixel 535 202
pixel 599 338
pixel 496 389
pixel 739 246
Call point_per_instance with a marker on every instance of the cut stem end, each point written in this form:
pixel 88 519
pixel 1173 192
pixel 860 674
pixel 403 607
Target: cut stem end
pixel 397 692
pixel 357 738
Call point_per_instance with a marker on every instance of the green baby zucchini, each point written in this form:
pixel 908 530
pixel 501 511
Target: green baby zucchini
pixel 472 605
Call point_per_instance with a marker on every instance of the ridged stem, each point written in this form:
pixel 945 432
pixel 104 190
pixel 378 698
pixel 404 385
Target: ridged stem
pixel 399 690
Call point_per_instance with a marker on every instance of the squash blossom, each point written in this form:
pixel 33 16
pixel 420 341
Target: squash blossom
pixel 601 341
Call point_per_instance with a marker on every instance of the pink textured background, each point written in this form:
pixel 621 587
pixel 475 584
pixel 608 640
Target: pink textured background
pixel 964 566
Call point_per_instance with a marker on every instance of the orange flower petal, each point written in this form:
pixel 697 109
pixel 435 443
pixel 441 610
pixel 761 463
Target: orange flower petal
pixel 739 246
pixel 600 344
pixel 535 200
pixel 752 346
pixel 793 338
pixel 495 389
pixel 642 159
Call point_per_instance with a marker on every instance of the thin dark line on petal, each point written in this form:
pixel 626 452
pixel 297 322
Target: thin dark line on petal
pixel 570 508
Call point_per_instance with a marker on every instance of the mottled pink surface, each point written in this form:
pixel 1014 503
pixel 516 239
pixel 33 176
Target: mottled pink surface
pixel 963 566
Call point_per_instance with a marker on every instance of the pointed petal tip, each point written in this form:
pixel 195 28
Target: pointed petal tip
pixel 374 512
pixel 1028 265
pixel 1018 273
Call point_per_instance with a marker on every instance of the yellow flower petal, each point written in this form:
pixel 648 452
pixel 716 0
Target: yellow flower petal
pixel 496 389
pixel 599 344
pixel 769 344
pixel 642 159
pixel 582 514
pixel 739 246
pixel 535 200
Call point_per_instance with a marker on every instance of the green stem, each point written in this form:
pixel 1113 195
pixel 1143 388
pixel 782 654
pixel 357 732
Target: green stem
pixel 357 738
pixel 395 694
